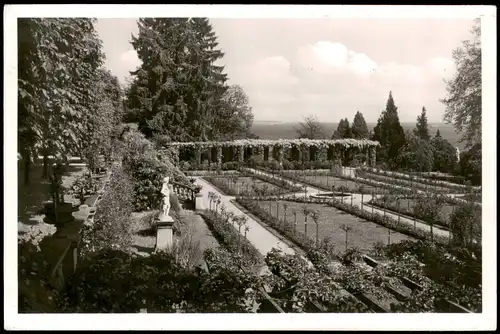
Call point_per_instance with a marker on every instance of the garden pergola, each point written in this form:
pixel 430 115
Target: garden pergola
pixel 268 150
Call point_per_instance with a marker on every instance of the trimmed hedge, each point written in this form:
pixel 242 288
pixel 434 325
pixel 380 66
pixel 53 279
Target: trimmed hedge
pixel 111 226
pixel 394 180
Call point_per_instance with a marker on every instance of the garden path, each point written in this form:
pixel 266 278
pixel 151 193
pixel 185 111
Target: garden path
pixel 357 201
pixel 261 238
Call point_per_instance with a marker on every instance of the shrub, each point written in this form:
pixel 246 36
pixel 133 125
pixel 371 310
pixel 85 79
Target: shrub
pixel 148 173
pixel 82 186
pixel 36 294
pixel 465 223
pixel 287 164
pixel 229 165
pixel 184 165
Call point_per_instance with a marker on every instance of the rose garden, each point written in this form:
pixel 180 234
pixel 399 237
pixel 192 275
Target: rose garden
pixel 260 226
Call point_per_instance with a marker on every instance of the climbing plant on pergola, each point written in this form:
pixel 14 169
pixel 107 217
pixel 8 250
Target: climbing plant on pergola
pixel 303 149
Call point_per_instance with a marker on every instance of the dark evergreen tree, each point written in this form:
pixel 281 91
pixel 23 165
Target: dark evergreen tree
pixel 359 128
pixel 422 128
pixel 179 93
pixel 389 133
pixel 343 130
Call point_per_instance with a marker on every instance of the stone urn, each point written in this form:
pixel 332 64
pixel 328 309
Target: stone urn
pixel 64 213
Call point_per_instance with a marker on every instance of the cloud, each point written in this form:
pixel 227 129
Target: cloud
pixel 271 72
pixel 361 63
pixel 332 81
pixel 330 57
pixel 130 59
pixel 441 66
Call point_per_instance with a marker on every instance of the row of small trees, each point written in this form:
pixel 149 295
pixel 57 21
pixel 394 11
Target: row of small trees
pixel 68 104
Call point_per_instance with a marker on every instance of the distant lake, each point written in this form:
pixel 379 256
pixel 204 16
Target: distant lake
pixel 277 130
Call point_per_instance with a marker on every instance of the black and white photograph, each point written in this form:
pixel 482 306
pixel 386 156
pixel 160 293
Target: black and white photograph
pixel 212 166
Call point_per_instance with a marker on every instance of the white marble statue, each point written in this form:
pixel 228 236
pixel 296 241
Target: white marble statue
pixel 458 154
pixel 165 191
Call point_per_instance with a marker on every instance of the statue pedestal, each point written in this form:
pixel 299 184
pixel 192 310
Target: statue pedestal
pixel 198 202
pixel 164 232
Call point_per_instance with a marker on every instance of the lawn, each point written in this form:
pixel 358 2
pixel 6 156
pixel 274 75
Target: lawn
pixel 327 181
pixel 363 234
pixel 244 184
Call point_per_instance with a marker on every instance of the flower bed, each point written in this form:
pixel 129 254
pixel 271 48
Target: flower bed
pixel 424 178
pixel 456 271
pixel 273 180
pixel 353 279
pixel 408 181
pixel 325 181
pixel 301 288
pixel 228 237
pixel 296 176
pixel 322 221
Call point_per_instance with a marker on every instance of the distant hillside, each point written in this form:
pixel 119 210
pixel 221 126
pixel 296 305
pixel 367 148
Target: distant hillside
pixel 277 130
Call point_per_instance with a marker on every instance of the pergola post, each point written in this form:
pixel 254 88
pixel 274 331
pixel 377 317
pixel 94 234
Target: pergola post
pixel 299 153
pixel 259 152
pixel 279 153
pixel 285 153
pixel 305 152
pixel 197 154
pixel 373 158
pixel 270 152
pixel 219 155
pixel 241 154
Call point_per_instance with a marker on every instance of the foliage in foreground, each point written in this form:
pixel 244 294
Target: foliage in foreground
pixel 113 281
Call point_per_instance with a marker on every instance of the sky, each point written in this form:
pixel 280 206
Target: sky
pixel 330 68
